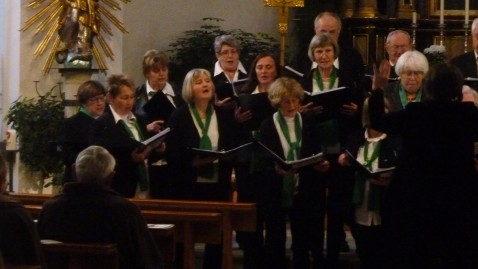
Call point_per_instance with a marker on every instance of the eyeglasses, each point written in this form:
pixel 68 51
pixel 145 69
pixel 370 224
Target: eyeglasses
pixel 401 48
pixel 96 99
pixel 227 52
pixel 412 73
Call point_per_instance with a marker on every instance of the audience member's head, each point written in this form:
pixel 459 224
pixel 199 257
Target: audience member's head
pixel 397 43
pixel 443 83
pixel 328 22
pixel 95 165
pixel 91 96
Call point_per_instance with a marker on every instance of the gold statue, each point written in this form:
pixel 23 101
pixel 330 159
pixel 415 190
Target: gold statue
pixel 77 23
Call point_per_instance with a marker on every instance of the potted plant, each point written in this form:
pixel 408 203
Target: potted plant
pixel 195 49
pixel 37 122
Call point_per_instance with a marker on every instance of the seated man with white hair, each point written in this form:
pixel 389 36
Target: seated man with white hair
pixel 89 211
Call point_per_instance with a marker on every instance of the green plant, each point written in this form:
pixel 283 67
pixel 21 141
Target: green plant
pixel 195 48
pixel 37 122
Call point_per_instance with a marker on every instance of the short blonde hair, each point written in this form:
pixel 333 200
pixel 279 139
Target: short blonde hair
pixel 116 81
pixel 322 40
pixel 154 59
pixel 191 76
pixel 283 87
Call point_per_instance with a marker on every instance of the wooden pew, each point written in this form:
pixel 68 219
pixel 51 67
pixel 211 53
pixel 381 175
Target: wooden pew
pixel 235 217
pixel 189 227
pixel 61 255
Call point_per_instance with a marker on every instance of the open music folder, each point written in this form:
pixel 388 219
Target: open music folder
pixel 295 164
pixel 370 173
pixel 156 140
pixel 230 89
pixel 220 154
pixel 331 101
pixel 260 107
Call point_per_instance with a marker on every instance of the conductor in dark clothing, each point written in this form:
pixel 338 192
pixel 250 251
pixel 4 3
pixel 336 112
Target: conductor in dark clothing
pixel 88 211
pixel 433 193
pixel 74 133
pixel 468 61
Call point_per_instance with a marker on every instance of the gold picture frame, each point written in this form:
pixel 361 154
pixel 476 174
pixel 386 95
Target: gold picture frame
pixel 453 8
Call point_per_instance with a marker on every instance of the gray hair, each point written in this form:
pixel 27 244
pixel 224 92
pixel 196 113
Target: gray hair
pixel 412 60
pixel 191 76
pixel 94 164
pixel 331 14
pixel 392 33
pixel 225 40
pixel 321 40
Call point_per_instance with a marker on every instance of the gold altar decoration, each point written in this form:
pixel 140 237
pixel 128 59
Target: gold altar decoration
pixel 366 9
pixel 87 21
pixel 283 6
pixel 405 9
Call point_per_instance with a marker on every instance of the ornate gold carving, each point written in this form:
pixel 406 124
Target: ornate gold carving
pixel 283 6
pixel 92 17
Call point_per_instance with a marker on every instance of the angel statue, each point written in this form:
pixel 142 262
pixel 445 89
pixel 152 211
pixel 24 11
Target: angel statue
pixel 77 24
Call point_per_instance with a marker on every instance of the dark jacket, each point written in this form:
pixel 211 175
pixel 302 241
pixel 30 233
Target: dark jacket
pixel 73 139
pixel 158 107
pixel 184 136
pixel 91 213
pixel 113 136
pixel 466 62
pixel 19 241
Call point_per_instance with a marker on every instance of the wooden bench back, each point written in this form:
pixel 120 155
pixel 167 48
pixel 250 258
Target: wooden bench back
pixel 242 215
pixel 74 256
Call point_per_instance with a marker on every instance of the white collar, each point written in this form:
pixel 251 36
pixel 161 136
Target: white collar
pixel 218 69
pixel 125 118
pixel 167 90
pixel 375 139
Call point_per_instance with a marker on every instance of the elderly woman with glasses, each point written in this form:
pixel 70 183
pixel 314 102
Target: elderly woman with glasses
pixel 74 134
pixel 411 68
pixel 228 70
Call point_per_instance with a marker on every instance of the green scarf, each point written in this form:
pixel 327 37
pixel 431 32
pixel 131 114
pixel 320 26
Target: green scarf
pixel 206 171
pixel 143 177
pixel 403 96
pixel 361 178
pixel 320 82
pixel 289 182
pixel 84 111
